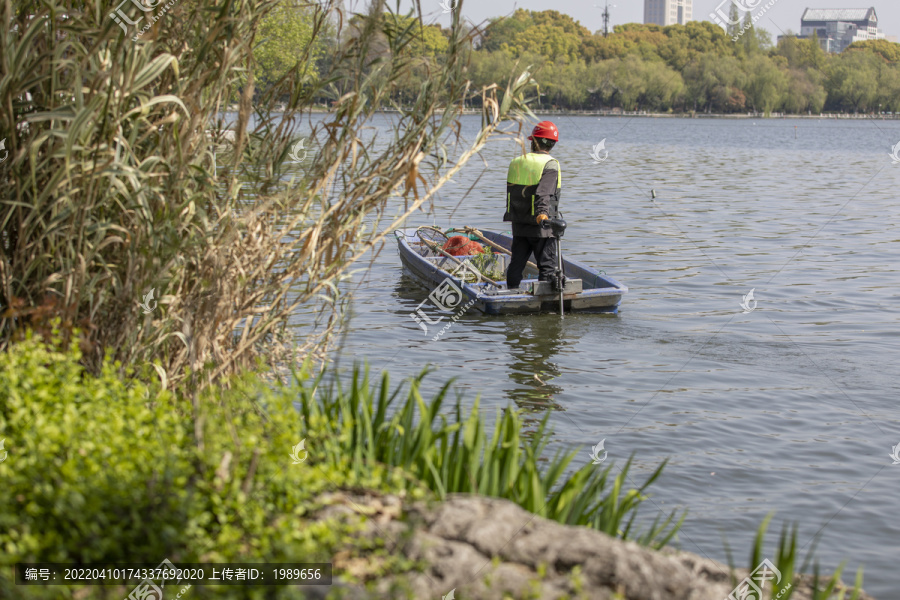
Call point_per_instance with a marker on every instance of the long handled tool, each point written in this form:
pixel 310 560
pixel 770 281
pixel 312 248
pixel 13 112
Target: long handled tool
pixel 559 228
pixel 560 279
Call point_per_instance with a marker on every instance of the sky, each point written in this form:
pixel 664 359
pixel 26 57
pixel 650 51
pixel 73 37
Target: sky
pixel 784 15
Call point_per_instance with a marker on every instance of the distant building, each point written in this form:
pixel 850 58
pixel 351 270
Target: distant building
pixel 837 28
pixel 668 12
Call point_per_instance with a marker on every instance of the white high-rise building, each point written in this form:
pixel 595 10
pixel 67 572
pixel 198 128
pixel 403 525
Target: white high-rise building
pixel 668 12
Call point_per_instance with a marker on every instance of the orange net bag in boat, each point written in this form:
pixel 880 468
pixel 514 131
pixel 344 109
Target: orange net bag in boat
pixel 460 245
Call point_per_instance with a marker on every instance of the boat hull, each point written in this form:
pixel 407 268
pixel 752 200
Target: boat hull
pixel 599 292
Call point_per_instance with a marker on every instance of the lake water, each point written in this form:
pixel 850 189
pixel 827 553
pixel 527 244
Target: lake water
pixel 791 407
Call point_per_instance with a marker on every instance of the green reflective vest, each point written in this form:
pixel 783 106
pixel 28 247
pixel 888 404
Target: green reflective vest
pixel 522 179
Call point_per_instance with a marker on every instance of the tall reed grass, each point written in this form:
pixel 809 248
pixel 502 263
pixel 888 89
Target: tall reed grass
pixel 110 189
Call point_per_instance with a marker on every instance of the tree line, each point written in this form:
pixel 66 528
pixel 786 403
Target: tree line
pixel 678 68
pixel 692 67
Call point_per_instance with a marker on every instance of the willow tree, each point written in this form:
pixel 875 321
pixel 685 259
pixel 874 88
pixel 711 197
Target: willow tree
pixel 120 219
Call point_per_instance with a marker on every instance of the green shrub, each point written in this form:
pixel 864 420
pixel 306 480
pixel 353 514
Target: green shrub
pixel 105 470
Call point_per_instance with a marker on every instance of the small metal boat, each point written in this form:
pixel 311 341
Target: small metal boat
pixel 460 284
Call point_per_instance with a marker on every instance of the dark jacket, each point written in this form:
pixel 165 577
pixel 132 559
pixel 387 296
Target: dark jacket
pixel 533 186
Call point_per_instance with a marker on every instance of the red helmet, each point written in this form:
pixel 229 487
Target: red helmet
pixel 545 129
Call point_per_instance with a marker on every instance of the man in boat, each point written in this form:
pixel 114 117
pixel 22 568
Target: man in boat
pixel 533 185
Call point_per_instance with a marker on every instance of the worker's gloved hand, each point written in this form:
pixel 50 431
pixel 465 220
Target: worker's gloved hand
pixel 542 219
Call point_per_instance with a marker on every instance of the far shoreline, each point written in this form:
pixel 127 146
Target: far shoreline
pixel 682 115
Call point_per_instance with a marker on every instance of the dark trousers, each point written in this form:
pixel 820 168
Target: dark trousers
pixel 544 250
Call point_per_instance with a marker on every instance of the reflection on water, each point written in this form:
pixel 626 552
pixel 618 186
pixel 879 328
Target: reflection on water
pixel 533 346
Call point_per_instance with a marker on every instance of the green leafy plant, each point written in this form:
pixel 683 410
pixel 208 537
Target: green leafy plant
pixel 461 453
pixel 489 264
pixel 785 560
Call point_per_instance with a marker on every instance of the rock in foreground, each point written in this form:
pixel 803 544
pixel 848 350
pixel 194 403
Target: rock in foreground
pixel 488 548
